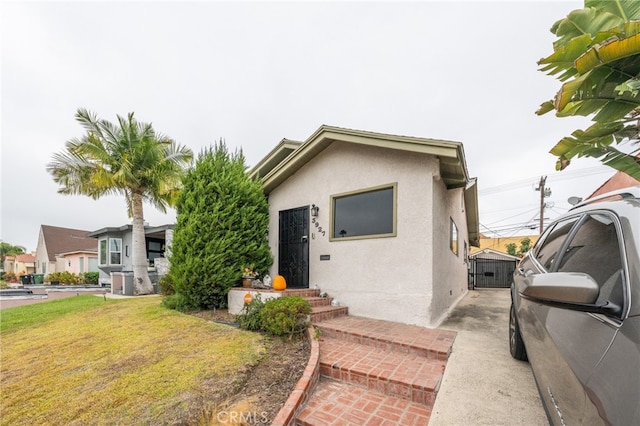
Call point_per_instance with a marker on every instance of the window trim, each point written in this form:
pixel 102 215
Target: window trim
pixel 103 252
pixel 108 252
pixel 394 233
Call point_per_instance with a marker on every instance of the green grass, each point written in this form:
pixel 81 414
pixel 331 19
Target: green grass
pixel 12 319
pixel 84 360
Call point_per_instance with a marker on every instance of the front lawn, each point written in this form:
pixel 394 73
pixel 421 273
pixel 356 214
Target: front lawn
pixel 86 360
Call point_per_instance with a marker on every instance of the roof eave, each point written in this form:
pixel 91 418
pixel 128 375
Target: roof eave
pixel 471 212
pixel 451 154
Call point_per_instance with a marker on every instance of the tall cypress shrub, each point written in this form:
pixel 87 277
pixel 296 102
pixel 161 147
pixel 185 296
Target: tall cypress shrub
pixel 222 225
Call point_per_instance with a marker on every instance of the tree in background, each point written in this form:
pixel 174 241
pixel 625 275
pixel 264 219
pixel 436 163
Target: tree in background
pixel 7 249
pixel 128 159
pixel 597 57
pixel 525 246
pixel 222 225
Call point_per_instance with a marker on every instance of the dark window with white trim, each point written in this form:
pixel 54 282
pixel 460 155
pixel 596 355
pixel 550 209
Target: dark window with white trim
pixel 364 214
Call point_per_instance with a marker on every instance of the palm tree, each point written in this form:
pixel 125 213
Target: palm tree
pixel 129 159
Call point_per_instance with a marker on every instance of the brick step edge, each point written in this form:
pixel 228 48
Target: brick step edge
pixel 421 389
pixel 441 354
pixel 319 301
pixel 341 403
pixel 303 292
pixel 323 313
pixel 294 405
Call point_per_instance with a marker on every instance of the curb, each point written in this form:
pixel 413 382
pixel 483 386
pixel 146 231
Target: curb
pixel 304 388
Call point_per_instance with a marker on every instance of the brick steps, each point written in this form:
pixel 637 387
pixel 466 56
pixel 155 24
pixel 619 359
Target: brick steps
pixel 376 372
pixel 401 375
pixel 403 338
pixel 321 309
pixel 338 403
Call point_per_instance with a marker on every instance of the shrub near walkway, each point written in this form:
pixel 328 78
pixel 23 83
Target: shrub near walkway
pixel 121 362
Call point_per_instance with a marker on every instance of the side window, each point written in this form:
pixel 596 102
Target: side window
pixel 547 252
pixel 594 250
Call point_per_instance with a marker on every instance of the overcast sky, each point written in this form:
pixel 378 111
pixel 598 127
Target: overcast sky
pixel 254 73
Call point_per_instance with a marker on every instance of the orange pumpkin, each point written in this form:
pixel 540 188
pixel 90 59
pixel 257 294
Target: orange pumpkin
pixel 247 298
pixel 279 283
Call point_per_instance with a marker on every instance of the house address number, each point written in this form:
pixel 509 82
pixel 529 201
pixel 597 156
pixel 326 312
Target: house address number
pixel 318 227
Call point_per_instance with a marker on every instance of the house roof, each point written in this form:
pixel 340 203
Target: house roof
pixel 62 240
pixel 88 252
pixel 494 254
pixel 25 258
pixel 290 156
pixel 149 231
pixel 620 180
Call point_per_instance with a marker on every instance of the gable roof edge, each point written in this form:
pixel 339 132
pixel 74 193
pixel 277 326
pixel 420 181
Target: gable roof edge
pixel 450 154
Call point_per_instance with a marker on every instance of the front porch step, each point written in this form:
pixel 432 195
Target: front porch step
pixel 338 403
pixel 402 338
pixel 402 375
pixel 302 292
pixel 326 313
pixel 319 301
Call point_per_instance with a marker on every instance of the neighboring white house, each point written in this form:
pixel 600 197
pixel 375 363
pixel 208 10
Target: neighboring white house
pixel 114 254
pixel 382 223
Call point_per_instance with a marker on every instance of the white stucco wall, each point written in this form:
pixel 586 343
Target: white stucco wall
pixel 385 278
pixel 450 280
pixel 43 265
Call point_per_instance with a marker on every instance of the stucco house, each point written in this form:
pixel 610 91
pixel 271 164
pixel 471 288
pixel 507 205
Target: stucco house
pixel 65 249
pixel 382 223
pixel 114 255
pixel 20 264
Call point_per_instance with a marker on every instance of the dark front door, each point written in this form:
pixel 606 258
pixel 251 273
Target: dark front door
pixel 293 247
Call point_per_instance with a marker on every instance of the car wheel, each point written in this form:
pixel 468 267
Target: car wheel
pixel 516 345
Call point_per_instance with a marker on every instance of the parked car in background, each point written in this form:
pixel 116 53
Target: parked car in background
pixel 575 312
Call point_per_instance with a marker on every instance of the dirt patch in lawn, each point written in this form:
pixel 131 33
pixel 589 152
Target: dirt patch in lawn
pixel 264 388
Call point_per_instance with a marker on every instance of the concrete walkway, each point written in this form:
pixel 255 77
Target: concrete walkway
pixel 483 384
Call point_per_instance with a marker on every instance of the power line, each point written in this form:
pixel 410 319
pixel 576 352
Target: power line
pixel 557 176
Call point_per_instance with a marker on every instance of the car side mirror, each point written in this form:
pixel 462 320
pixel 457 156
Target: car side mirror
pixel 567 290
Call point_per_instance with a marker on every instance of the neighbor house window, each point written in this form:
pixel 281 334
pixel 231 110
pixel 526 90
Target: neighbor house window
pixel 155 249
pixel 110 249
pixel 103 252
pixel 453 241
pixel 368 213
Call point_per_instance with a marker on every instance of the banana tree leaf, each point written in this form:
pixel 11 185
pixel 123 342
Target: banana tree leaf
pixel 584 21
pixel 632 27
pixel 583 107
pixel 615 110
pixel 568 89
pixel 610 51
pixel 625 9
pixel 545 108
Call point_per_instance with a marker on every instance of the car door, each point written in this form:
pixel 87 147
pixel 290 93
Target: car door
pixel 567 344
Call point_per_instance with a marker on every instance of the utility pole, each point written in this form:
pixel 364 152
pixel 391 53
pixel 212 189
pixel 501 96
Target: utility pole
pixel 544 192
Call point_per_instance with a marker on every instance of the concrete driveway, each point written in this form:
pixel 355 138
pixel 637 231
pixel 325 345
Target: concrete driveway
pixel 483 384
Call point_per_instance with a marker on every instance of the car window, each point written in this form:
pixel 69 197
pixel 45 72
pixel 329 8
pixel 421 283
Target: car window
pixel 547 253
pixel 594 249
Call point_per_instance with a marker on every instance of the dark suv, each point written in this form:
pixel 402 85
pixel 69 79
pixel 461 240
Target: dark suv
pixel 575 312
